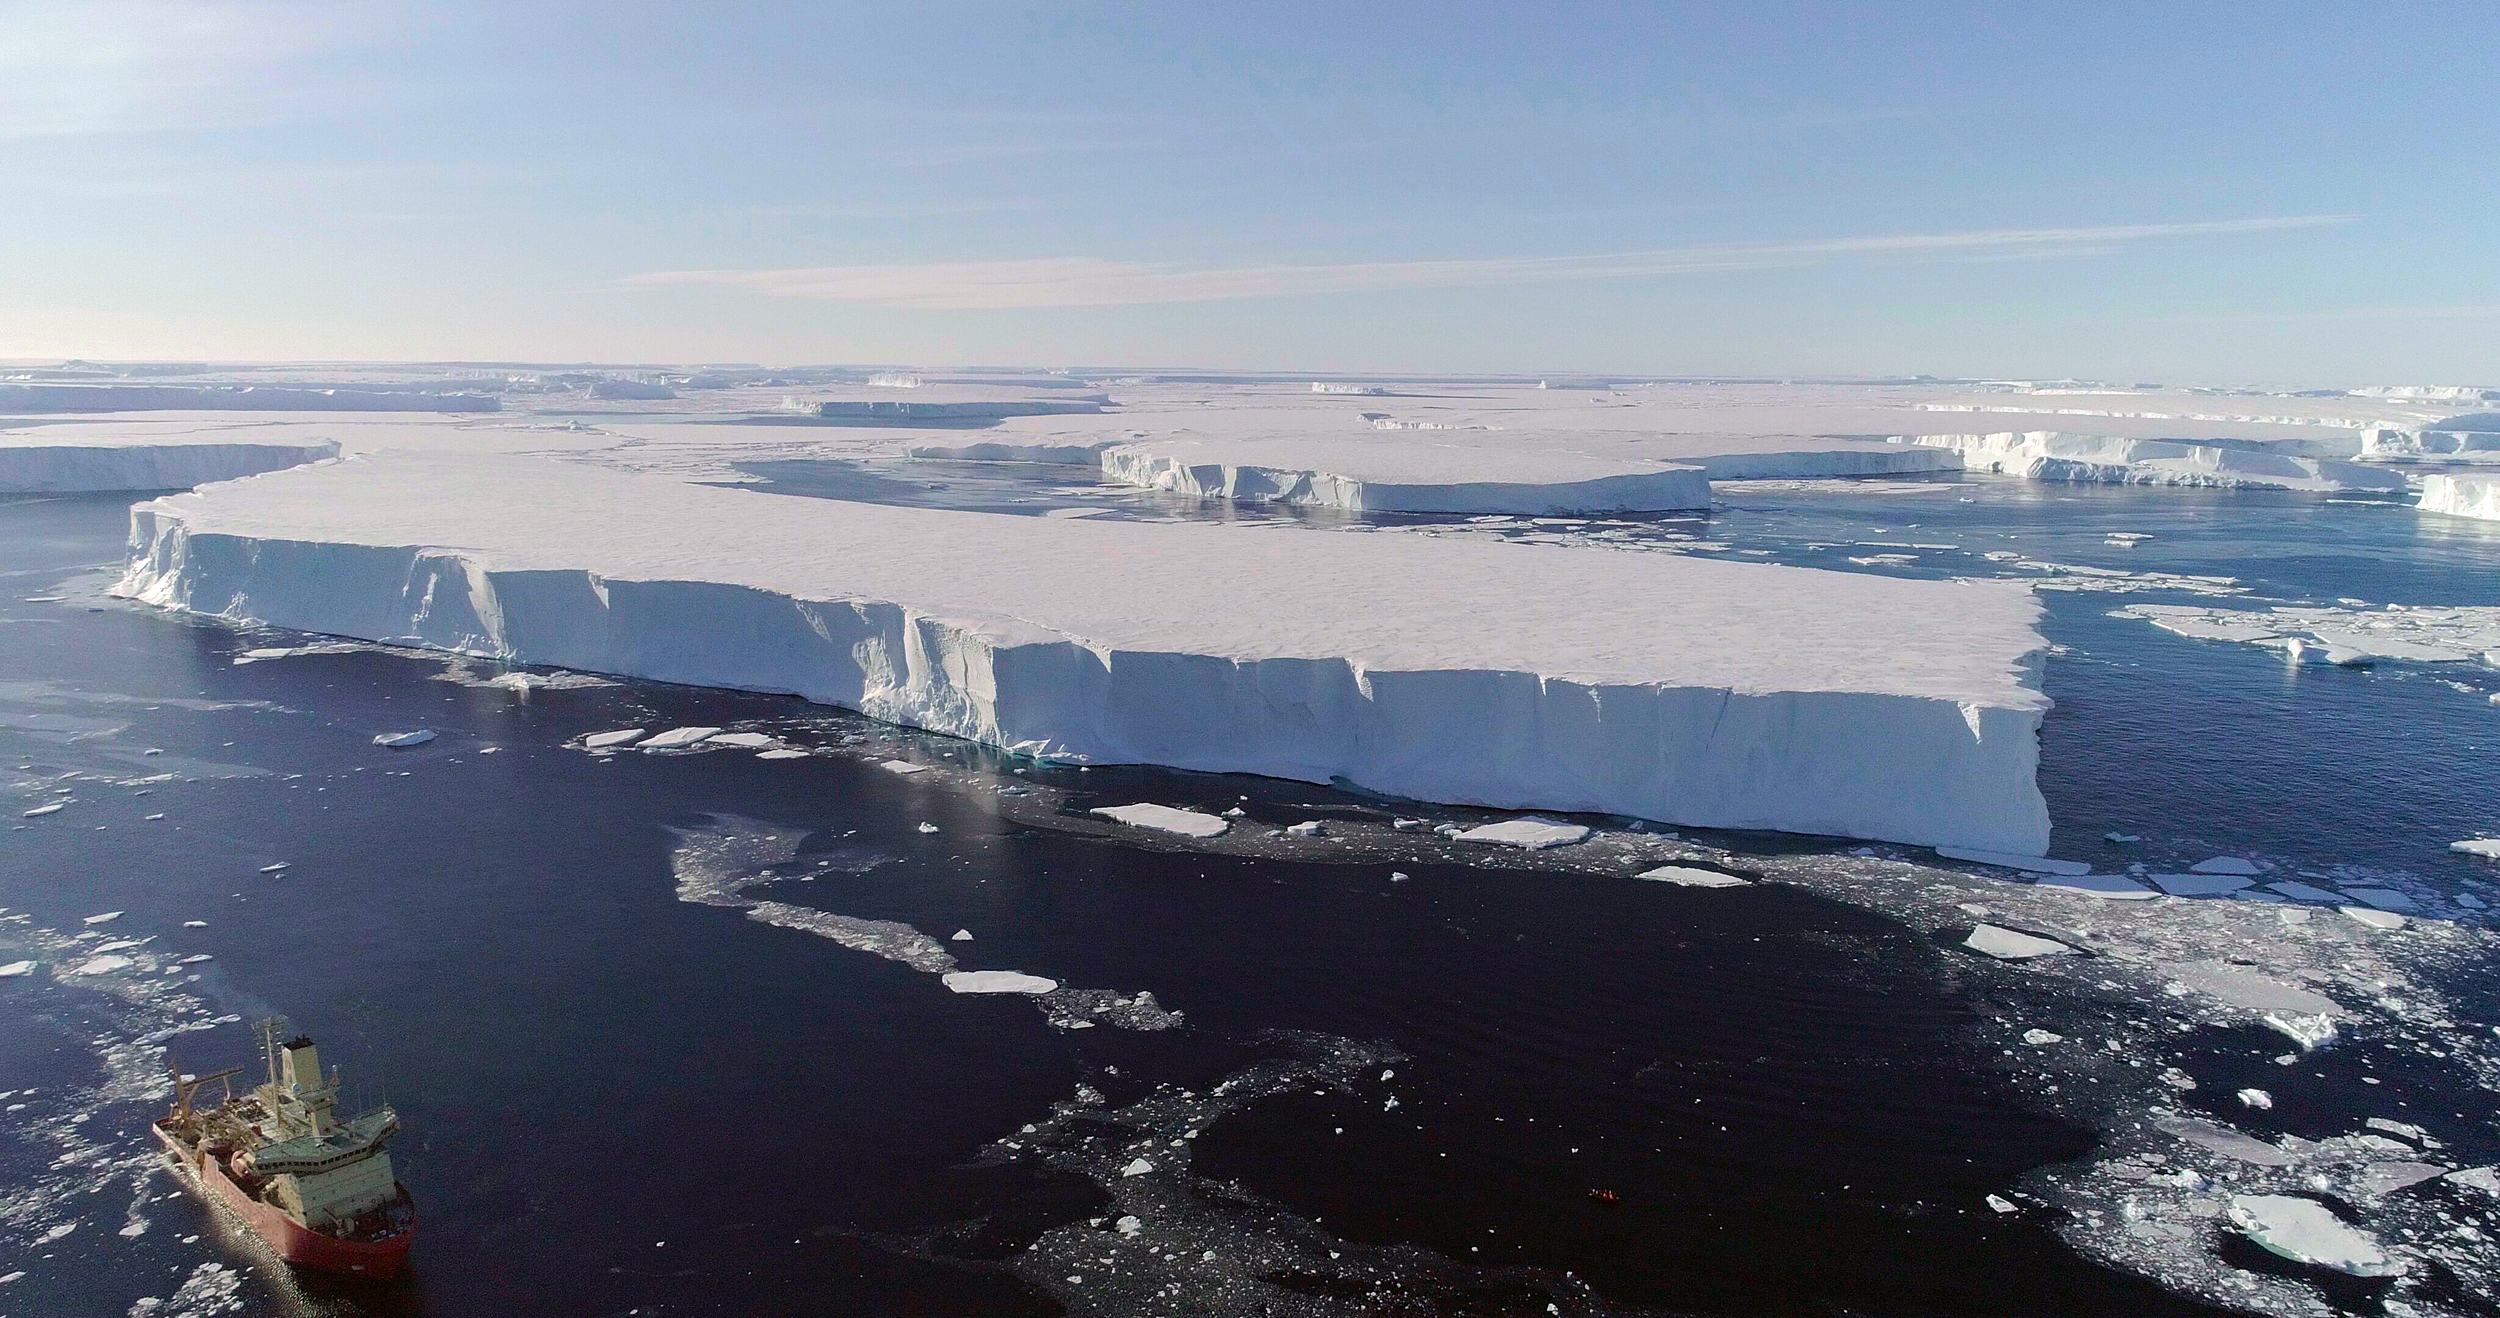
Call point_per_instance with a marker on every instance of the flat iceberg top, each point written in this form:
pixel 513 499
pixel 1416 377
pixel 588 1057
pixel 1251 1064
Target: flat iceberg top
pixel 1407 458
pixel 1382 602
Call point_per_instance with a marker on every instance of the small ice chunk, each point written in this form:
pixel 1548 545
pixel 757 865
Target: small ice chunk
pixel 905 768
pixel 1128 1225
pixel 961 936
pixel 107 918
pixel 616 737
pixel 754 741
pixel 2256 1098
pixel 2011 861
pixel 2310 1032
pixel 1447 830
pixel 1308 828
pixel 2105 886
pixel 273 869
pixel 1527 832
pixel 2224 865
pixel 2487 847
pixel 2001 1204
pixel 1140 1167
pixel 2123 838
pixel 1407 825
pixel 2376 919
pixel 781 753
pixel 997 981
pixel 2007 945
pixel 1399 876
pixel 2198 885
pixel 195 924
pixel 1164 819
pixel 2303 892
pixel 927 827
pixel 16 968
pixel 676 738
pixel 403 740
pixel 2306 1231
pixel 153 818
pixel 2383 898
pixel 1692 877
pixel 2042 1038
pixel 196 958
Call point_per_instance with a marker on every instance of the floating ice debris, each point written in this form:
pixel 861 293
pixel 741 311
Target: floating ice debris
pixel 2485 1179
pixel 905 768
pixel 404 740
pixel 742 740
pixel 616 737
pixel 2223 865
pixel 56 1233
pixel 2376 919
pixel 1236 812
pixel 2108 887
pixel 2214 1137
pixel 2486 847
pixel 2306 1231
pixel 997 981
pixel 272 869
pixel 1693 877
pixel 1399 876
pixel 101 965
pixel 2122 838
pixel 2042 1038
pixel 2256 1098
pixel 107 918
pixel 2007 945
pixel 782 753
pixel 196 958
pixel 1128 1225
pixel 2002 1204
pixel 2011 861
pixel 927 827
pixel 42 810
pixel 1140 1167
pixel 1528 832
pixel 195 924
pixel 2310 1032
pixel 2198 885
pixel 677 738
pixel 16 968
pixel 1164 819
pixel 961 936
pixel 151 818
pixel 1407 825
pixel 2302 892
pixel 2380 1179
pixel 1308 828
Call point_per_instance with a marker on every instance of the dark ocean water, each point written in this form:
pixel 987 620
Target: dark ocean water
pixel 617 1101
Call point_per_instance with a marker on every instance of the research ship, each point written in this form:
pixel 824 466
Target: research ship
pixel 317 1189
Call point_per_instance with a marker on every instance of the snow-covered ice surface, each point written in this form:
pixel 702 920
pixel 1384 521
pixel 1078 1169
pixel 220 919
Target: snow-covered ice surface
pixel 1360 474
pixel 1794 700
pixel 1166 819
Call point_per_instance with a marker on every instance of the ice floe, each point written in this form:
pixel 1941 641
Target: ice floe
pixel 2307 1231
pixel 997 981
pixel 403 740
pixel 676 738
pixel 1165 819
pixel 1528 833
pixel 1689 876
pixel 2011 945
pixel 2014 861
pixel 617 737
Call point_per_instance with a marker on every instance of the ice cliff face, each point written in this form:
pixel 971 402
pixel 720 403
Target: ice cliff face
pixel 2462 496
pixel 1405 476
pixel 40 468
pixel 1710 693
pixel 2056 455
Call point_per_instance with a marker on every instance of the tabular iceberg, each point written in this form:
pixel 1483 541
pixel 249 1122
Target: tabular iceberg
pixel 2462 496
pixel 1403 475
pixel 31 465
pixel 2052 455
pixel 1712 693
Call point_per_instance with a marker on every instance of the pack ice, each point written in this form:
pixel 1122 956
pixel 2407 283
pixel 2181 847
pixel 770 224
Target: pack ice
pixel 32 462
pixel 1728 694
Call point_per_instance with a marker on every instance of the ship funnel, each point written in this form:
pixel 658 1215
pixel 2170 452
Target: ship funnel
pixel 299 1065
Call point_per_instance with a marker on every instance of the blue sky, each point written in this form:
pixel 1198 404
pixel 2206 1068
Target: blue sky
pixel 2217 193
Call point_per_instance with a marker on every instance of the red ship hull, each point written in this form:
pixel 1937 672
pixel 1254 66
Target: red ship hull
pixel 293 1242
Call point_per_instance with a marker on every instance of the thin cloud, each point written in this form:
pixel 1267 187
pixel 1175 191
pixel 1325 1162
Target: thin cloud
pixel 1078 281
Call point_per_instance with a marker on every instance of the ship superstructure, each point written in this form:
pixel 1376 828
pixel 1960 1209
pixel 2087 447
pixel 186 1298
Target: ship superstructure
pixel 319 1189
